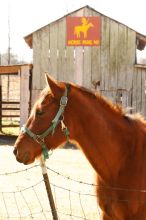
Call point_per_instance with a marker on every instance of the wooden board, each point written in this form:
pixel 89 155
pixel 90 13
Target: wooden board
pixel 45 35
pixel 53 49
pixel 12 69
pixel 79 54
pixel 134 92
pixel 130 57
pixel 87 58
pixel 139 91
pixel 143 95
pixel 122 58
pixel 61 59
pixel 24 95
pixel 113 55
pixel 95 63
pixel 105 42
pixel 35 96
pixel 37 59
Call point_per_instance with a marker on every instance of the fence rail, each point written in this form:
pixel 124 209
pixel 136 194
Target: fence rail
pixel 9 114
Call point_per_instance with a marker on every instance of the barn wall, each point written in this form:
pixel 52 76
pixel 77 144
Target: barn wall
pixel 139 90
pixel 108 63
pixel 108 68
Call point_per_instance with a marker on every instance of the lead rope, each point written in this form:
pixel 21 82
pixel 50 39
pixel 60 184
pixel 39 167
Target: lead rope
pixel 65 130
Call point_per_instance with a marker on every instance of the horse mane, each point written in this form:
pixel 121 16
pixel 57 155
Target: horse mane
pixel 137 117
pixel 105 102
pixel 102 99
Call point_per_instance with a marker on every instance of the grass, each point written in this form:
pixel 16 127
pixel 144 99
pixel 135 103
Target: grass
pixel 13 131
pixel 72 198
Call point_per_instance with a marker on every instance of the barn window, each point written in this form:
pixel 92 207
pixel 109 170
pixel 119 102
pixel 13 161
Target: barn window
pixel 141 50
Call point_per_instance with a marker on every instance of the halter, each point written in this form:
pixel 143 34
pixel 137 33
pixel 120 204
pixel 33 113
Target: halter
pixel 39 138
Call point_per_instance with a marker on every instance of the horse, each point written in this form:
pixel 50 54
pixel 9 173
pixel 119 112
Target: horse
pixel 82 29
pixel 113 142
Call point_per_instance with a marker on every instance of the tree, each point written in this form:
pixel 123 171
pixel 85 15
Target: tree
pixel 4 59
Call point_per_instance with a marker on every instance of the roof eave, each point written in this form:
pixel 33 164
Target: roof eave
pixel 28 40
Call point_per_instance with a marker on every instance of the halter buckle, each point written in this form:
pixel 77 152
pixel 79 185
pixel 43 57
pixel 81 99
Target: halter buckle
pixel 63 101
pixel 39 139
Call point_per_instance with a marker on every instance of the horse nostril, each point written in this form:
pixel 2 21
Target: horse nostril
pixel 15 151
pixel 26 158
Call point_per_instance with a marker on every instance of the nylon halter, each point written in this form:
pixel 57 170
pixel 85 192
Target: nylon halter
pixel 57 119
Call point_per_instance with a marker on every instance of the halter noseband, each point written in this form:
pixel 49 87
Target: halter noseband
pixel 58 119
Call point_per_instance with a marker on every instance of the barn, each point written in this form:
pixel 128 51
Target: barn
pixel 111 67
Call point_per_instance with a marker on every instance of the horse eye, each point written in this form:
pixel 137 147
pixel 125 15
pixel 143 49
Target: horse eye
pixel 39 112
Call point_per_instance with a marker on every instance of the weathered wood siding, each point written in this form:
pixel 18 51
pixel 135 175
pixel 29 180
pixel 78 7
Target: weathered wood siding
pixel 139 90
pixel 24 94
pixel 108 68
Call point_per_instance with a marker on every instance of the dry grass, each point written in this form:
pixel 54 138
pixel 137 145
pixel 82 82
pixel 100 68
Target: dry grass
pixel 10 130
pixel 72 198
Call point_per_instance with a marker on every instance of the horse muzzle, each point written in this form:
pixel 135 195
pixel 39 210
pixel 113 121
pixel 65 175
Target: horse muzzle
pixel 24 158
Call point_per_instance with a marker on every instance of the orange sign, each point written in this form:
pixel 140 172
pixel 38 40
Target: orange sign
pixel 83 31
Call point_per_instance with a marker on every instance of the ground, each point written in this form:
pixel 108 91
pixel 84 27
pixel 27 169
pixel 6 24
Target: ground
pixel 22 189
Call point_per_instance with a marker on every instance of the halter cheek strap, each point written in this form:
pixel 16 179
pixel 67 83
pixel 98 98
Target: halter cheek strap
pixel 58 119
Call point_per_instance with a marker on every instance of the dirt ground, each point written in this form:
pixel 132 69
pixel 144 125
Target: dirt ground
pixel 22 189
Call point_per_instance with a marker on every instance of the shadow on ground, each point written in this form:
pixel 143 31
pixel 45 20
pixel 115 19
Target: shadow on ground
pixel 7 140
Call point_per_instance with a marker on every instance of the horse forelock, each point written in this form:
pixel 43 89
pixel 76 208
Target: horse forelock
pixel 45 93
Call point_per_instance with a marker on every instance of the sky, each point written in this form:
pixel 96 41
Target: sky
pixel 26 16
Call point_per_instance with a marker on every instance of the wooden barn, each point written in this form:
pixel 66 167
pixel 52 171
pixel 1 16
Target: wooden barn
pixel 110 68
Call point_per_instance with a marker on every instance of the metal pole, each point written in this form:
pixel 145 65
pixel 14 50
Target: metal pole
pixel 48 188
pixel 9 34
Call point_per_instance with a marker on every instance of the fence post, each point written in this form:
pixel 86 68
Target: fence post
pixel 48 188
pixel 0 104
pixel 24 94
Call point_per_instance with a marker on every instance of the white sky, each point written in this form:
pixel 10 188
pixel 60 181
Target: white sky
pixel 28 15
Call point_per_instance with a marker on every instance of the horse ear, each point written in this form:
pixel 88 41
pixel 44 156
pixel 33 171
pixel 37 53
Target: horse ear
pixel 55 87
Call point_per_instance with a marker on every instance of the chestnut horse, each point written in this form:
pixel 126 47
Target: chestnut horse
pixel 113 142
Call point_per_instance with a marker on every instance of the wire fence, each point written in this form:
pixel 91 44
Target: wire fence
pixel 73 199
pixel 23 195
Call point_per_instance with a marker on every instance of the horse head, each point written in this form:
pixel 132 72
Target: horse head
pixel 91 24
pixel 43 128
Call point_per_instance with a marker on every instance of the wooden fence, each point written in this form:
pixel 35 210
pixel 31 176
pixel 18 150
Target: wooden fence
pixel 15 95
pixel 9 101
pixel 8 114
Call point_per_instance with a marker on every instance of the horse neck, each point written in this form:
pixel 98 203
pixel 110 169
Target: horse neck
pixel 95 125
